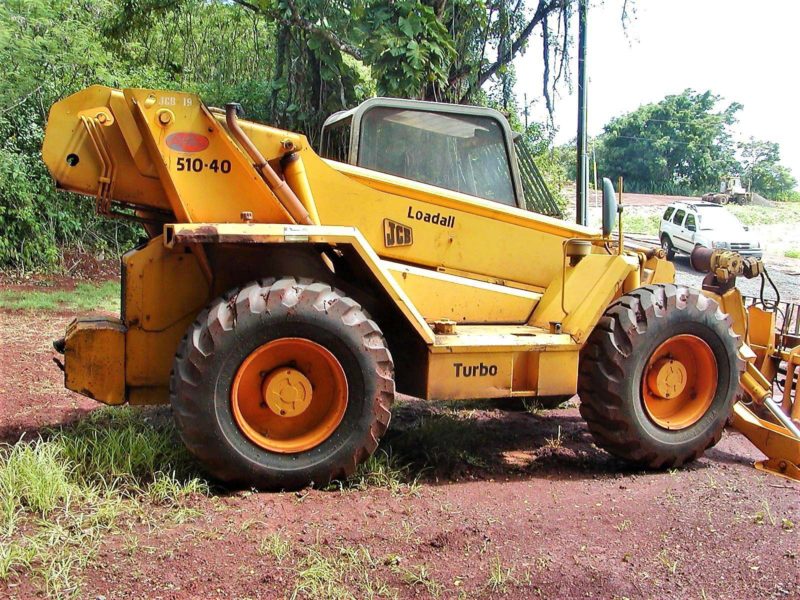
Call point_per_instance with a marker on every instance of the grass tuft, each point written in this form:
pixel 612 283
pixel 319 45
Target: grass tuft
pixel 383 470
pixel 445 443
pixel 499 576
pixel 275 545
pixel 123 446
pixel 420 577
pixel 346 574
pixel 33 478
pixel 62 493
pixel 84 297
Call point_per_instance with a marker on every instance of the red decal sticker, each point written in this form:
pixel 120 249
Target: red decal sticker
pixel 184 141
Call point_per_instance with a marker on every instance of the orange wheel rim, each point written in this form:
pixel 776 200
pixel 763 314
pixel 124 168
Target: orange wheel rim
pixel 679 382
pixel 289 395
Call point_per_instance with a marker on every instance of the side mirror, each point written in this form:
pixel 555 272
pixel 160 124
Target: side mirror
pixel 609 207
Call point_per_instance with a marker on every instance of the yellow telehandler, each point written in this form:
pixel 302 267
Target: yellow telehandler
pixel 282 297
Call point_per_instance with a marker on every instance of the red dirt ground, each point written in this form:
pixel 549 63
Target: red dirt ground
pixel 569 520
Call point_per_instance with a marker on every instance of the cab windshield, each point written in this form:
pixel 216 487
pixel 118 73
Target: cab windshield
pixel 463 153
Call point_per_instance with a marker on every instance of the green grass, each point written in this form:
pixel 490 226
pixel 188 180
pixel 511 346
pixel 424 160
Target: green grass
pixel 383 470
pixel 85 297
pixel 445 443
pixel 64 492
pixel 420 577
pixel 275 545
pixel 792 253
pixel 344 574
pixel 641 224
pixel 766 215
pixel 500 576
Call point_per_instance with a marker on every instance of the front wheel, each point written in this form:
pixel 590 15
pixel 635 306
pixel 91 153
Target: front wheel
pixel 659 376
pixel 667 246
pixel 282 384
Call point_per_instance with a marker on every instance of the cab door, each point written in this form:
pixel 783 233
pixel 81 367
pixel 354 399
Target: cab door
pixel 675 229
pixel 686 233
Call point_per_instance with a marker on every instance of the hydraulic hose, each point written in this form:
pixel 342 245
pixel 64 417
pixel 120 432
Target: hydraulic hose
pixel 279 187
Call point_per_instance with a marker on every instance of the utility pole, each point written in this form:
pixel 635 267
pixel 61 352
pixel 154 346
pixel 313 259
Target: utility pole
pixel 582 178
pixel 525 112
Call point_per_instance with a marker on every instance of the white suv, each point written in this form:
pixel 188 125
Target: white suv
pixel 686 225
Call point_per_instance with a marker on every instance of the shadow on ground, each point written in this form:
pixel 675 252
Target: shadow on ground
pixel 432 442
pixel 450 442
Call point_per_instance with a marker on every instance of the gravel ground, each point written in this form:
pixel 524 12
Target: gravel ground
pixel 785 281
pixel 778 238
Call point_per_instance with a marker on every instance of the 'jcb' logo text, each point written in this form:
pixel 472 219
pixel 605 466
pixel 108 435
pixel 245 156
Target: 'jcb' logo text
pixel 396 234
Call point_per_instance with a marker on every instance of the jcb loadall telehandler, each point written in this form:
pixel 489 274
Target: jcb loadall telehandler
pixel 281 298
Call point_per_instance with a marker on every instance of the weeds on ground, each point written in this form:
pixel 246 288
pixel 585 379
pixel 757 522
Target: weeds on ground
pixel 443 442
pixel 666 560
pixel 334 575
pixel 275 545
pixel 764 516
pixel 420 577
pixel 62 493
pixel 623 525
pixel 792 253
pixel 85 297
pixel 556 442
pixel 383 470
pixel 499 576
pixel 533 407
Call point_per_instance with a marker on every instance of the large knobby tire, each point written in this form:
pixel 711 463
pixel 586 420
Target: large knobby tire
pixel 642 333
pixel 311 337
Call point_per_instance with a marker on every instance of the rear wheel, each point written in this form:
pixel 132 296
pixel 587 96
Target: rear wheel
pixel 667 246
pixel 281 384
pixel 659 376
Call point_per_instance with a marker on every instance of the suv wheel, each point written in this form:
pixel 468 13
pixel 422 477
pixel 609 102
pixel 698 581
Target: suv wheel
pixel 666 244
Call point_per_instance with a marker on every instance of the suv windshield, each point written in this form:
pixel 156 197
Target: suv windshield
pixel 717 218
pixel 463 153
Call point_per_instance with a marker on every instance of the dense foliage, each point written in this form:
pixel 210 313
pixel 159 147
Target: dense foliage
pixel 289 62
pixel 683 145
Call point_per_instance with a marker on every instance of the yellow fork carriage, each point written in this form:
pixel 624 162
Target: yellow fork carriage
pixel 282 298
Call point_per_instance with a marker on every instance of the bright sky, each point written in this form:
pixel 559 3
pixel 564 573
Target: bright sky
pixel 744 51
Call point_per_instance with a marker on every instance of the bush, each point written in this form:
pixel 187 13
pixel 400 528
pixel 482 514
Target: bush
pixel 790 196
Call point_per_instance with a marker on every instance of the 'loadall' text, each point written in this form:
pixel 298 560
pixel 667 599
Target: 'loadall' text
pixel 435 218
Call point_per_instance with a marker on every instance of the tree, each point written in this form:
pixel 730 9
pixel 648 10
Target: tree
pixel 49 48
pixel 680 144
pixel 290 62
pixel 325 53
pixel 762 171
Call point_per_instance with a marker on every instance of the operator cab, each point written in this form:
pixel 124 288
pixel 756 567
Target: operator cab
pixel 468 149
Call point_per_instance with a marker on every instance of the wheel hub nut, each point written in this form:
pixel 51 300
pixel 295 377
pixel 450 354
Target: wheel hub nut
pixel 667 378
pixel 287 392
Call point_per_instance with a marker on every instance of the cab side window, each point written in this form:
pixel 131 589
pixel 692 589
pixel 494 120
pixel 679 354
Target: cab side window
pixel 678 219
pixel 335 143
pixel 690 223
pixel 668 213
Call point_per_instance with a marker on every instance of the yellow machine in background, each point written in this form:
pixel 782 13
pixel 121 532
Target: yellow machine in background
pixel 281 297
